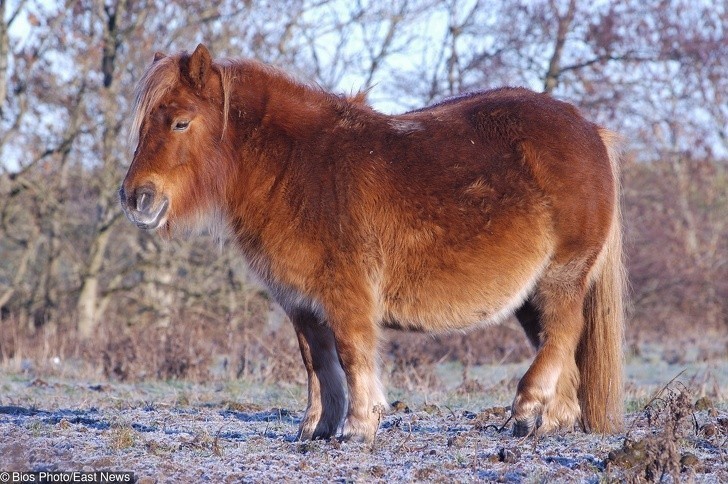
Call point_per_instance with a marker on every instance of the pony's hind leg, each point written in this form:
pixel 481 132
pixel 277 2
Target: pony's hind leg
pixel 326 386
pixel 546 398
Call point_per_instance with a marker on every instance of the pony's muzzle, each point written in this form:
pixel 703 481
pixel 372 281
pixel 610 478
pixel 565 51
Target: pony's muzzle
pixel 144 207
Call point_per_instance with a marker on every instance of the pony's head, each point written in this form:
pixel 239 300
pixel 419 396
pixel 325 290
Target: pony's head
pixel 177 173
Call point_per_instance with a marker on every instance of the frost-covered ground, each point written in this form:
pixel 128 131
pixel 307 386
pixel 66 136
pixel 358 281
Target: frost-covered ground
pixel 447 429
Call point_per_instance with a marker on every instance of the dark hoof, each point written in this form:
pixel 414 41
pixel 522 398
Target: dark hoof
pixel 317 435
pixel 524 428
pixel 355 438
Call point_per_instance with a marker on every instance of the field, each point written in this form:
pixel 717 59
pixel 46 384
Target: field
pixel 122 350
pixel 448 423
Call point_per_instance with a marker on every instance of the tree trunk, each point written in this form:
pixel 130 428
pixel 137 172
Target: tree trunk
pixel 4 52
pixel 89 305
pixel 554 70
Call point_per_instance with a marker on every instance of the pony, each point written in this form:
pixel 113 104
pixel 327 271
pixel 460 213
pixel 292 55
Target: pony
pixel 452 216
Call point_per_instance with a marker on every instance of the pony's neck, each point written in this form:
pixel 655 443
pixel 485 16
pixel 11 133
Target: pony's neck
pixel 274 130
pixel 265 98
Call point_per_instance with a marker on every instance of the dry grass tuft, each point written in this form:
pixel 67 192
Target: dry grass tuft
pixel 668 424
pixel 122 437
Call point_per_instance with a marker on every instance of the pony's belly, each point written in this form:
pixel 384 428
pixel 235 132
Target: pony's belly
pixel 452 314
pixel 461 300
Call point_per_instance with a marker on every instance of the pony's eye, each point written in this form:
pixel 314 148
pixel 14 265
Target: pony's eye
pixel 180 125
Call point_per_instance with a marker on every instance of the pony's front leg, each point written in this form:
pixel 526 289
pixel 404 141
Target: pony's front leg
pixel 326 388
pixel 356 341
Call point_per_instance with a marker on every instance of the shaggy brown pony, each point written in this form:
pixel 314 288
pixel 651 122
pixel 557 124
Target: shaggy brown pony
pixel 446 218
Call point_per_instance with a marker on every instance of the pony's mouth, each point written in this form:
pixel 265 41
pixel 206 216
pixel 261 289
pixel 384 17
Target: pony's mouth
pixel 144 215
pixel 150 221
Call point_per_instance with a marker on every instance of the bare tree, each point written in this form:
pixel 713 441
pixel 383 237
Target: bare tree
pixel 653 70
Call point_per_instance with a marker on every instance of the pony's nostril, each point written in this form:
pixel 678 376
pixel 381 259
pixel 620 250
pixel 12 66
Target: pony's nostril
pixel 143 202
pixel 144 199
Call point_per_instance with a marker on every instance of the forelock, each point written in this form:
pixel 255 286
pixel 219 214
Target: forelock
pixel 159 79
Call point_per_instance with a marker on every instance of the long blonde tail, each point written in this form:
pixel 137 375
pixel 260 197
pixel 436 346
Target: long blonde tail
pixel 600 353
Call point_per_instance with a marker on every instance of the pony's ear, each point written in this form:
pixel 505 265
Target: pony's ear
pixel 198 67
pixel 158 56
